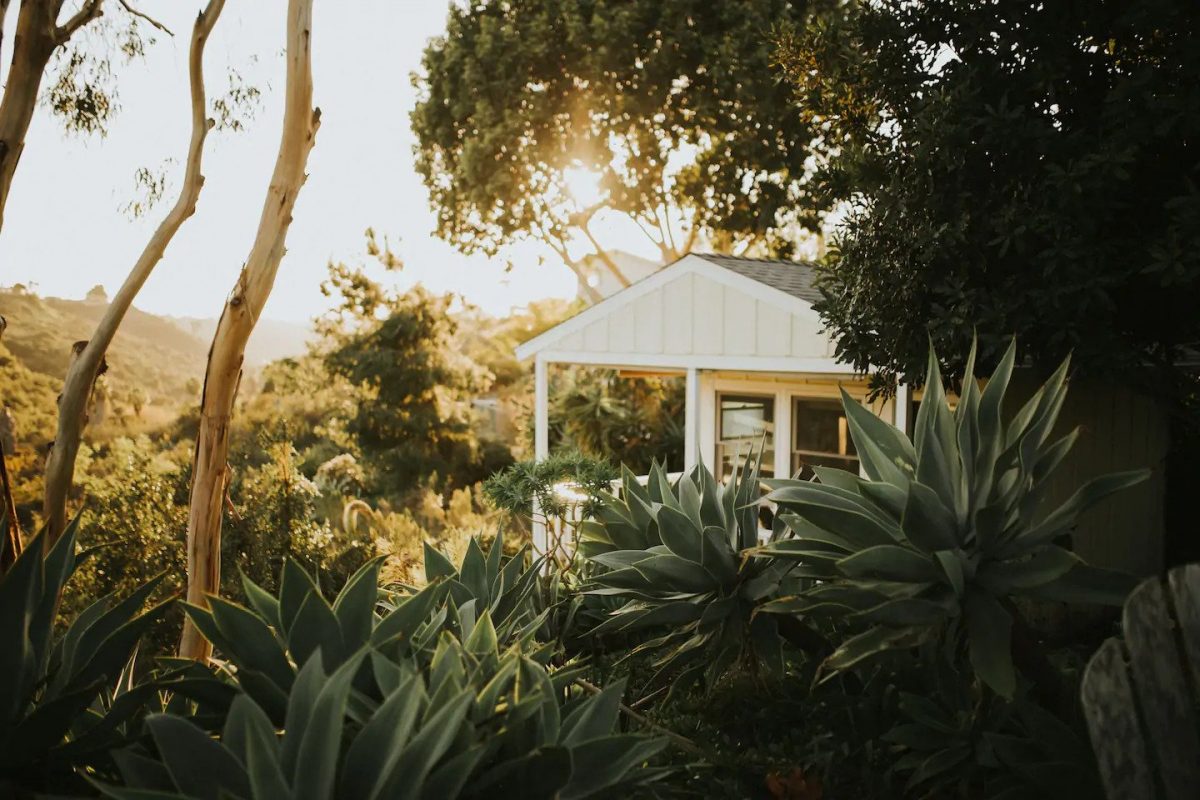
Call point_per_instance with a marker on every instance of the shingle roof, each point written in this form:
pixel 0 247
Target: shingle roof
pixel 796 278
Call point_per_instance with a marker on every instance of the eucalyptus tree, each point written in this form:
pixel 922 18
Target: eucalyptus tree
pixel 87 361
pixel 672 106
pixel 47 39
pixel 242 309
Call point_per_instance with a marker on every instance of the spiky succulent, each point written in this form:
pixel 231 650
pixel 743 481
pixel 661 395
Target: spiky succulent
pixel 68 699
pixel 422 701
pixel 944 531
pixel 680 559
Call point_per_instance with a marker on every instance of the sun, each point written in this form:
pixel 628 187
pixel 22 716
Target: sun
pixel 583 185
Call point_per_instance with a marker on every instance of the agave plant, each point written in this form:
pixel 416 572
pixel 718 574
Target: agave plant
pixel 682 558
pixel 444 694
pixel 944 531
pixel 67 699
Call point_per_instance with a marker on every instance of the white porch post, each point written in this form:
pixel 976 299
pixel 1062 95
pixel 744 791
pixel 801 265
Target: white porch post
pixel 541 440
pixel 691 417
pixel 782 437
pixel 901 404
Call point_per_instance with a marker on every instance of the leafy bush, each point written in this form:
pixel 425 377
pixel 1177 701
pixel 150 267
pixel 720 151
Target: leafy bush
pixel 681 558
pixel 940 536
pixel 69 699
pixel 444 695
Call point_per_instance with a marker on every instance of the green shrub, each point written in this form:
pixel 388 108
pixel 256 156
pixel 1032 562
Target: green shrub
pixel 940 536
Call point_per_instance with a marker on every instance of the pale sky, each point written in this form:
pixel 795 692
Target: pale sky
pixel 65 230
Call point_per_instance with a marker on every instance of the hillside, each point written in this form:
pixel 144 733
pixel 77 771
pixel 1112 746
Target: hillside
pixel 149 353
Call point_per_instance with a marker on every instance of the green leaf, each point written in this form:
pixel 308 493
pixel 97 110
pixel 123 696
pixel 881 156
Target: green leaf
pixel 373 755
pixel 253 643
pixel 437 565
pixel 865 645
pixel 1087 584
pixel 989 642
pixel 1048 564
pixel 199 766
pixel 891 562
pixel 904 611
pixel 594 717
pixel 315 767
pixel 680 533
pixel 355 605
pixel 294 587
pixel 927 522
pixel 1061 519
pixel 885 452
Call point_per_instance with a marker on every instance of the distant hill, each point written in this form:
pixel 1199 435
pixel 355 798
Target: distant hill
pixel 272 339
pixel 159 359
pixel 149 352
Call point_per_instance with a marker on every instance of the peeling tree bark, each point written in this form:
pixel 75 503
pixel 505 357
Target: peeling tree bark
pixel 88 361
pixel 242 309
pixel 34 41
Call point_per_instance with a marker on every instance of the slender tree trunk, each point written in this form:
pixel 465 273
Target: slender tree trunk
pixel 242 309
pixel 10 545
pixel 86 366
pixel 37 35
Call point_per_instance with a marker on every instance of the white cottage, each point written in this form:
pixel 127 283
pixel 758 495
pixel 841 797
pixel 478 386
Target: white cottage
pixel 744 333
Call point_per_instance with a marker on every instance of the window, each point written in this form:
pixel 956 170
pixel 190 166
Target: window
pixel 821 437
pixel 743 422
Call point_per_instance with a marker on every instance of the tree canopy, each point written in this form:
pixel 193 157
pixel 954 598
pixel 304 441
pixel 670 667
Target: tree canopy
pixel 1009 167
pixel 673 106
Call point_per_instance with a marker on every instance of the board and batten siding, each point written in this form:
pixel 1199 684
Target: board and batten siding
pixel 1120 430
pixel 693 315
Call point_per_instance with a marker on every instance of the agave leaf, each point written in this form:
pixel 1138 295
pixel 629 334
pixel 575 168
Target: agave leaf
pixel 402 623
pixel 890 562
pixel 1060 520
pixel 263 769
pixel 372 757
pixel 262 601
pixel 252 642
pixel 115 651
pixel 838 510
pixel 597 765
pixel 473 574
pixel 295 585
pixel 92 639
pixel 927 522
pixel 594 717
pixel 314 768
pixel 452 775
pixel 246 721
pixel 354 607
pixel 199 766
pixel 437 565
pixel 680 532
pixel 1087 584
pixel 903 612
pixel 865 645
pixel 885 452
pixel 1044 566
pixel 438 731
pixel 989 642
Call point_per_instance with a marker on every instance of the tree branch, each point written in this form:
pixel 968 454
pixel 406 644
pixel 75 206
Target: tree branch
pixel 602 254
pixel 680 741
pixel 125 4
pixel 240 315
pixel 81 375
pixel 89 11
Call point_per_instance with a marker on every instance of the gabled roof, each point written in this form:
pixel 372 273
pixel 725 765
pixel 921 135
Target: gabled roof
pixel 797 278
pixel 786 287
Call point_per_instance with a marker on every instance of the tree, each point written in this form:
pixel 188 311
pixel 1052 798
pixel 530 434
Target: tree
pixel 1010 167
pixel 80 94
pixel 401 351
pixel 240 315
pixel 671 105
pixel 88 360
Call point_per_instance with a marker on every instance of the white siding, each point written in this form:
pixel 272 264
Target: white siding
pixel 695 315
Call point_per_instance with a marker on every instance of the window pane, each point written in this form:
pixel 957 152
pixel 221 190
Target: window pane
pixel 821 437
pixel 743 422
